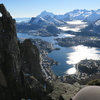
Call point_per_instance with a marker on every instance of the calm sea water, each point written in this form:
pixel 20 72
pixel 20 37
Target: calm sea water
pixel 67 56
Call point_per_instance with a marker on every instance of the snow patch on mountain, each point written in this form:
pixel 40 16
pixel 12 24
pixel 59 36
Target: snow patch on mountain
pixel 24 20
pixel 83 14
pixel 51 19
pixel 41 21
pixel 48 18
pixel 93 16
pixel 79 14
pixel 96 26
pixel 65 17
pixel 97 23
pixel 45 13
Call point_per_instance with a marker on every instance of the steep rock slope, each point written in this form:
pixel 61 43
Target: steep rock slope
pixel 40 21
pixel 92 17
pixel 96 26
pixel 20 71
pixel 65 91
pixel 45 13
pixel 53 20
pixel 30 56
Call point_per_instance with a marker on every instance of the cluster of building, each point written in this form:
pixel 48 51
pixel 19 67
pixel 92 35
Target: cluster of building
pixel 85 69
pixel 46 64
pixel 45 61
pixel 79 40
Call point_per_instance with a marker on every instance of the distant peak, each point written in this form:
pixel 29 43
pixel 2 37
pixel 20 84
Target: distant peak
pixel 44 11
pixel 47 16
pixel 76 10
pixel 93 10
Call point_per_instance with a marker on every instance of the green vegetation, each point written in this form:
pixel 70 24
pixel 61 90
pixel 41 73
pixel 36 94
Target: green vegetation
pixel 94 82
pixel 93 38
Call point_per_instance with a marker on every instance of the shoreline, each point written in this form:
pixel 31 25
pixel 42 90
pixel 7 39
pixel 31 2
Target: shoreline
pixel 90 41
pixel 47 62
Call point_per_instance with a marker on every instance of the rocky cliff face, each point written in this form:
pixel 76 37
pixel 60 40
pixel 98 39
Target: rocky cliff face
pixel 65 91
pixel 20 71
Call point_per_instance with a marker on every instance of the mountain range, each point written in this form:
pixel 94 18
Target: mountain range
pixel 48 18
pixel 45 19
pixel 86 15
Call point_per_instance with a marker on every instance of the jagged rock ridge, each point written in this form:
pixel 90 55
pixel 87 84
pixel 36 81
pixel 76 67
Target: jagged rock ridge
pixel 20 71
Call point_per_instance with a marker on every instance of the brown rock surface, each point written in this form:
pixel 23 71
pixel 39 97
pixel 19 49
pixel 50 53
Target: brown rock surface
pixel 20 71
pixel 64 91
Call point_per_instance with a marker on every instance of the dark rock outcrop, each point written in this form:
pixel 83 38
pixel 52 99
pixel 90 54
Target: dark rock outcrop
pixel 65 91
pixel 53 30
pixel 20 71
pixel 9 50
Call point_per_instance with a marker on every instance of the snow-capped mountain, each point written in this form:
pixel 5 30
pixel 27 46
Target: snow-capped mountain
pixel 24 20
pixel 40 21
pixel 96 26
pixel 97 23
pixel 65 17
pixel 93 16
pixel 79 14
pixel 53 20
pixel 48 18
pixel 86 15
pixel 74 15
pixel 45 13
pixel 83 14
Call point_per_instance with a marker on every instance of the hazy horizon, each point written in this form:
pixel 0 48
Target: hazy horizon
pixel 32 8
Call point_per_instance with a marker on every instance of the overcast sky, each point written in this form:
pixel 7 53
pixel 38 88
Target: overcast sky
pixel 32 8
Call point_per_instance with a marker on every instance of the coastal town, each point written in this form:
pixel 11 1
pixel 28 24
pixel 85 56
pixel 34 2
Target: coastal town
pixel 84 69
pixel 90 41
pixel 46 62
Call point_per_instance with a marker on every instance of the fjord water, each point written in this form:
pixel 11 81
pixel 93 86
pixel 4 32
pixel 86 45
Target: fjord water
pixel 69 56
pixel 66 56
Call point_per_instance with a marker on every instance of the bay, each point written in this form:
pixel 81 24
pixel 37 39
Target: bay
pixel 66 56
pixel 70 56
